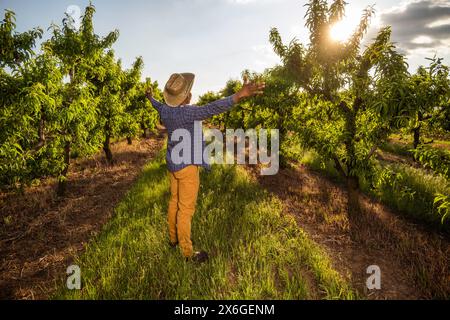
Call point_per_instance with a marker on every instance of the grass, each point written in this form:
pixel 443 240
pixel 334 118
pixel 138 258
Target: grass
pixel 256 251
pixel 443 143
pixel 400 149
pixel 428 156
pixel 407 141
pixel 411 191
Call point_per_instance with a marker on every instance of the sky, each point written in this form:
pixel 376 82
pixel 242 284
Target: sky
pixel 218 39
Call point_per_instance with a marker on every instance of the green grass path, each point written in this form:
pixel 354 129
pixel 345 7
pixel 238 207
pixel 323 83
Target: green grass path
pixel 256 251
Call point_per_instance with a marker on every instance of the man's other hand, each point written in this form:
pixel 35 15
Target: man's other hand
pixel 149 93
pixel 249 89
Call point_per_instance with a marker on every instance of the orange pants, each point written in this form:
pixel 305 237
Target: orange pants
pixel 184 186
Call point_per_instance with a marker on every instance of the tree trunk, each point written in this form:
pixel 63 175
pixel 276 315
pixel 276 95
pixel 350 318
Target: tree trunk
pixel 107 149
pixel 41 135
pixel 354 210
pixel 129 140
pixel 146 134
pixel 41 131
pixel 356 218
pixel 284 163
pixel 62 184
pixel 416 131
pixel 353 204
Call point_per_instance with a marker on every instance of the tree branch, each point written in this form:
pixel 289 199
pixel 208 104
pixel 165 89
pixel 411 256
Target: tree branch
pixel 371 152
pixel 343 105
pixel 338 166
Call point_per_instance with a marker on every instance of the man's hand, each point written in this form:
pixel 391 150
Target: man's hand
pixel 149 93
pixel 249 90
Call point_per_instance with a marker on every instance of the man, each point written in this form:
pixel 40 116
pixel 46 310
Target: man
pixel 184 177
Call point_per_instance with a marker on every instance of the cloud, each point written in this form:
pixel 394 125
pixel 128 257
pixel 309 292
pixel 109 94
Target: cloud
pixel 265 57
pixel 419 24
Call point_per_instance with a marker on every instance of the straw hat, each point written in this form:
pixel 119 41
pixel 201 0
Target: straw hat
pixel 178 88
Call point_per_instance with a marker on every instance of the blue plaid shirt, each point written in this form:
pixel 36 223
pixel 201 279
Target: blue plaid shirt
pixel 184 117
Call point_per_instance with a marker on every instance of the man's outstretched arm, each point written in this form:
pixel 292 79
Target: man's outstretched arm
pixel 220 106
pixel 155 103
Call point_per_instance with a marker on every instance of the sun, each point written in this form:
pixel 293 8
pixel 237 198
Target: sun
pixel 342 30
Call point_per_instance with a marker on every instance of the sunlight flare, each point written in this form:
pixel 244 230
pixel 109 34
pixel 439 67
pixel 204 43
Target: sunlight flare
pixel 341 31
